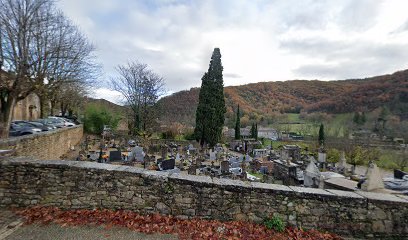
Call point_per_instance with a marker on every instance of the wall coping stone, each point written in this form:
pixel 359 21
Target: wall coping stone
pixel 270 186
pixel 345 194
pixel 227 183
pixel 315 191
pixel 381 197
pixel 402 196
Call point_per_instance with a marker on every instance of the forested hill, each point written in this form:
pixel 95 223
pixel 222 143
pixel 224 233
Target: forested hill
pixel 267 98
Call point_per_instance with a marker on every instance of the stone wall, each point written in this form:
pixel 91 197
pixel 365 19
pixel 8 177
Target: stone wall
pixel 44 145
pixel 69 184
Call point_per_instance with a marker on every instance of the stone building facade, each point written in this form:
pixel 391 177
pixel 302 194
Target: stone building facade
pixel 28 108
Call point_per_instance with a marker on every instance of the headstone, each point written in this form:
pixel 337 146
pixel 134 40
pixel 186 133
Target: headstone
pixel 342 161
pixel 115 156
pixel 248 158
pixel 241 158
pixel 138 154
pixel 177 157
pixel 181 164
pixel 225 166
pixel 168 164
pixel 311 175
pixel 192 170
pixel 213 156
pixel 322 157
pixel 235 165
pixel 373 178
pixel 94 156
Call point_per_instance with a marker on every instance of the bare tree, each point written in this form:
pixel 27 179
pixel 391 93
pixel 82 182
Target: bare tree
pixel 40 49
pixel 141 88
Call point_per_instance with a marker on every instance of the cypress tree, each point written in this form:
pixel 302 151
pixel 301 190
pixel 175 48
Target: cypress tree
pixel 321 134
pixel 363 118
pixel 356 118
pixel 238 125
pixel 211 106
pixel 256 131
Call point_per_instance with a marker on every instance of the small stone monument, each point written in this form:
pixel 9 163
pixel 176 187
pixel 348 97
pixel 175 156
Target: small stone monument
pixel 213 156
pixel 192 170
pixel 373 178
pixel 312 175
pixel 137 154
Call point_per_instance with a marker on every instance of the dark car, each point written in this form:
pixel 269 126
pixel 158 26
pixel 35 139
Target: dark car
pixel 22 129
pixel 43 126
pixel 52 122
pixel 33 124
pixel 46 122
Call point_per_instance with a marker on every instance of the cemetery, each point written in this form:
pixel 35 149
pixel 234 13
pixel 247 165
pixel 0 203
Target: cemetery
pixel 287 165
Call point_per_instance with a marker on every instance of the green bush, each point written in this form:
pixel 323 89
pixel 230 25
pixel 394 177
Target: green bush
pixel 275 223
pixel 96 117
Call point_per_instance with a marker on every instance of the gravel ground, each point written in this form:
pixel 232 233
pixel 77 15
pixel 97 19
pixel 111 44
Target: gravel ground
pixel 12 228
pixel 54 232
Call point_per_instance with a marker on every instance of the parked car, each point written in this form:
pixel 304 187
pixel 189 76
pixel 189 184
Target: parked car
pixel 67 123
pixel 72 119
pixel 22 129
pixel 50 122
pixel 33 124
pixel 42 126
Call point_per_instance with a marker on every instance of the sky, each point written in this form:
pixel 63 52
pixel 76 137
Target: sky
pixel 260 40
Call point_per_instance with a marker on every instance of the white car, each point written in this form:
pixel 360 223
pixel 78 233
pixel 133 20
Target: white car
pixel 66 122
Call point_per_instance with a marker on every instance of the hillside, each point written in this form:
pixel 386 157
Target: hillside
pixel 265 99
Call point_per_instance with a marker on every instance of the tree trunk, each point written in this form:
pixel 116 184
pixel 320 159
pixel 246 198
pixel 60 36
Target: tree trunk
pixel 43 101
pixel 63 109
pixel 6 116
pixel 53 102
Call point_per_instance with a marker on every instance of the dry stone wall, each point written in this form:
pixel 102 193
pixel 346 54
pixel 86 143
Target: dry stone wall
pixel 45 145
pixel 69 184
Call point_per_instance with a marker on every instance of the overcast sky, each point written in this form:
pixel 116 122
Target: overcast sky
pixel 259 40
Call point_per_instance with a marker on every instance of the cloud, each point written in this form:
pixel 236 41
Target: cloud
pixel 259 40
pixel 110 95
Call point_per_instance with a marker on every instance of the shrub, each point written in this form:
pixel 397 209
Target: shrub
pixel 96 117
pixel 275 222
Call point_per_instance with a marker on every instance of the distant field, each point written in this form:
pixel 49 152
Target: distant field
pixel 335 126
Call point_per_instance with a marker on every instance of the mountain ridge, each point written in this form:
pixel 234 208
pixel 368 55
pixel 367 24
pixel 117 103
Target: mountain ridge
pixel 264 99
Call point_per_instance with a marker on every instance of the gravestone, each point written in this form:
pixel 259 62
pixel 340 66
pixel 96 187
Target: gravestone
pixel 94 156
pixel 192 170
pixel 373 178
pixel 177 157
pixel 115 156
pixel 342 161
pixel 311 175
pixel 213 156
pixel 322 157
pixel 181 164
pixel 263 170
pixel 225 166
pixel 168 164
pixel 138 154
pixel 235 165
